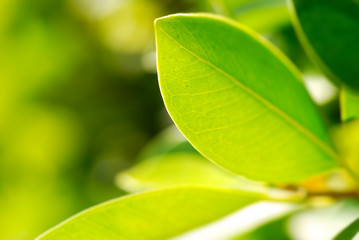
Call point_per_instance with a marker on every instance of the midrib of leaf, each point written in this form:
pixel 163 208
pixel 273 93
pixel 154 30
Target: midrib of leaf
pixel 262 100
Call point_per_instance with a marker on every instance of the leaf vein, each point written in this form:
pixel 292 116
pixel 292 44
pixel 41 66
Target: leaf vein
pixel 264 101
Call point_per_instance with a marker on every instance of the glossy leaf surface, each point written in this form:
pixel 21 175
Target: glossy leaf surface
pixel 160 214
pixel 238 100
pixel 329 31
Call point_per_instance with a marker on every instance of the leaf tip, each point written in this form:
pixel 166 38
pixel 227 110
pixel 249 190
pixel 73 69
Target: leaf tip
pixel 161 19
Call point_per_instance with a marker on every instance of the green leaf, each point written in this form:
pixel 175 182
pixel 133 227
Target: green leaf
pixel 176 169
pixel 170 160
pixel 349 232
pixel 349 104
pixel 347 140
pixel 329 31
pixel 273 15
pixel 276 229
pixel 238 100
pixel 160 214
pixel 275 226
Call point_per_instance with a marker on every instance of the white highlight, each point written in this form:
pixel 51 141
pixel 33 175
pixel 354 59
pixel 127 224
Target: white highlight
pixel 95 9
pixel 322 224
pixel 240 222
pixel 319 88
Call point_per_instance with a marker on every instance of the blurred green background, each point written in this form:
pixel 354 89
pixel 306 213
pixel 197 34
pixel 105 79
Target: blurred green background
pixel 79 97
pixel 78 100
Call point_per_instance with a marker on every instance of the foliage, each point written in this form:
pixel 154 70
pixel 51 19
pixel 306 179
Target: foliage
pixel 239 87
pixel 222 104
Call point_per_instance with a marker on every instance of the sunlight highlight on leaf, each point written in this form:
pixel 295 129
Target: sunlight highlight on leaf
pixel 238 100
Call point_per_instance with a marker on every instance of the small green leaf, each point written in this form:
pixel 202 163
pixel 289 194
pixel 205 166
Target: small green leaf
pixel 159 214
pixel 349 104
pixel 275 229
pixel 238 100
pixel 329 31
pixel 349 232
pixel 273 14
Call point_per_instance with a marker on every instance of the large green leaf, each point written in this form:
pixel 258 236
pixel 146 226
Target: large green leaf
pixel 349 104
pixel 238 100
pixel 160 214
pixel 329 31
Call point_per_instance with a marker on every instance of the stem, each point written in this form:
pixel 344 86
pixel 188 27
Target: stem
pixel 302 194
pixel 336 195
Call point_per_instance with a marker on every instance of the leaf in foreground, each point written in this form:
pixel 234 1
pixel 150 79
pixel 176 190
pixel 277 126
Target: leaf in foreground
pixel 329 31
pixel 159 214
pixel 238 100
